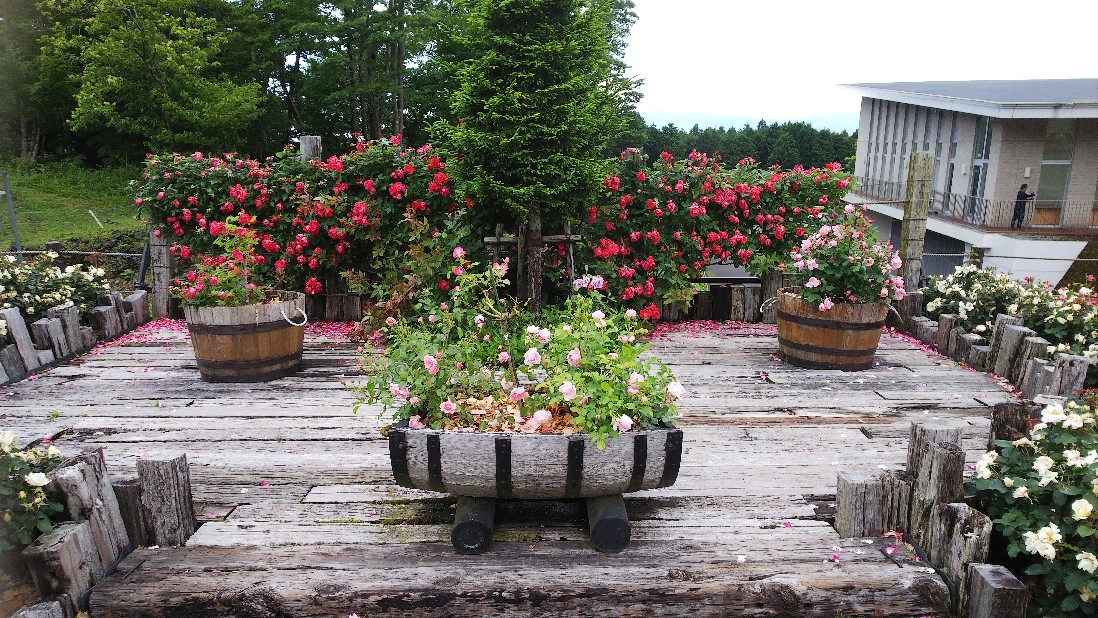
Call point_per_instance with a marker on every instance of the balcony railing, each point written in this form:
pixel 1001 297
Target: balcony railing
pixel 966 209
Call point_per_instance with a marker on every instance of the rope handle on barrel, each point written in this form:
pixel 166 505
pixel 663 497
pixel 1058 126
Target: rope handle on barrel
pixel 287 318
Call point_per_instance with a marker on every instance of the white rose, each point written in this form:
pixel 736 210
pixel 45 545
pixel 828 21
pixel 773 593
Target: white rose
pixel 1021 492
pixel 7 441
pixel 37 479
pixel 1081 509
pixel 1008 482
pixel 1043 464
pixel 1053 413
pixel 676 390
pixel 1087 561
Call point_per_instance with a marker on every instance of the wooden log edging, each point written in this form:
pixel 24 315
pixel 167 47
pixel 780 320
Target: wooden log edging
pixel 1013 352
pixel 59 336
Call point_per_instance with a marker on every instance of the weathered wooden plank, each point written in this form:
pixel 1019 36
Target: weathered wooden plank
pixel 960 535
pixel 18 333
pixel 1009 347
pixel 751 300
pixel 137 304
pixel 65 563
pixel 127 492
pixel 105 322
pixel 42 609
pixel 48 334
pixel 936 463
pixel 1068 375
pixel 946 324
pixel 89 496
pixel 12 362
pixel 571 579
pixel 70 324
pixel 1032 347
pixel 1001 322
pixel 994 592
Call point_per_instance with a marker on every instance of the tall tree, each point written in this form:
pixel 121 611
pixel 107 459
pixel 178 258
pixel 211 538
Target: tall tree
pixel 532 113
pixel 149 74
pixel 20 124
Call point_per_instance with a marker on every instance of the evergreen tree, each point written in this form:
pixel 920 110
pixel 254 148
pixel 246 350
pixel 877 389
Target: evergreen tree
pixel 531 115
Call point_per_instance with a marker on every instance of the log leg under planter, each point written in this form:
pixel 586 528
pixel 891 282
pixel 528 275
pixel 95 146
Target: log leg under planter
pixel 609 523
pixel 473 525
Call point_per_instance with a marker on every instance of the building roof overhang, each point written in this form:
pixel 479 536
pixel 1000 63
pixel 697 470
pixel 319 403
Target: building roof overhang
pixel 1037 99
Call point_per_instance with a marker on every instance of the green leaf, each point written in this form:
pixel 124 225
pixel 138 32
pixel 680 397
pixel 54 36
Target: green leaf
pixel 45 525
pixel 1084 531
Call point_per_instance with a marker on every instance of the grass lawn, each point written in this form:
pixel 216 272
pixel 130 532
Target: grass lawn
pixel 53 200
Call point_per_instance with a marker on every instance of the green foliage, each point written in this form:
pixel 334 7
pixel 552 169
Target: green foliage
pixel 530 109
pixel 1042 491
pixel 37 284
pixel 25 508
pixel 148 72
pixel 786 144
pixel 477 361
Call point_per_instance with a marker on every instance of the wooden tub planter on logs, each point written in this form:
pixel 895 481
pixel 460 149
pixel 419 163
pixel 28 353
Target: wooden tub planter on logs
pixel 844 337
pixel 480 468
pixel 250 343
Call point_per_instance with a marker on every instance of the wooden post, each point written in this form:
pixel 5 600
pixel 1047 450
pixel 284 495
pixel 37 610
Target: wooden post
pixel 1009 421
pixel 128 493
pixel 1035 369
pixel 771 283
pixel 994 592
pixel 946 322
pixel 49 334
pixel 751 301
pixel 1009 347
pixel 17 332
pixel 1001 322
pixel 137 304
pixel 89 497
pixel 960 535
pixel 1032 347
pixel 913 231
pixel 936 464
pixel 166 499
pixel 310 148
pixel 473 525
pixel 869 505
pixel 1068 375
pixel 162 273
pixel 65 563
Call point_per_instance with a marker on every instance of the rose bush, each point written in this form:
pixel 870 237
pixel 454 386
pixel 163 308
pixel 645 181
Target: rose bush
pixel 1066 316
pixel 311 220
pixel 37 285
pixel 476 361
pixel 845 262
pixel 224 279
pixel 1042 492
pixel 657 228
pixel 25 507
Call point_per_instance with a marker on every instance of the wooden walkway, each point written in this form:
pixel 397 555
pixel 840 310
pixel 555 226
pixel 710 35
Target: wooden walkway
pixel 302 519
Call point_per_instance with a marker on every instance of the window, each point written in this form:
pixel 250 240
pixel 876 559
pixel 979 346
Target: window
pixel 981 150
pixel 1055 171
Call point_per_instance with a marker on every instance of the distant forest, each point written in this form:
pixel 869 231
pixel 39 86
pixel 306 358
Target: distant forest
pixel 108 80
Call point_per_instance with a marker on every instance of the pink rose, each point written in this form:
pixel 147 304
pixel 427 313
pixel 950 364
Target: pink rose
pixel 630 313
pixel 415 423
pixel 676 390
pixel 448 407
pixel 458 253
pixel 543 335
pixel 414 400
pixel 517 394
pixel 568 391
pixel 504 357
pixel 826 304
pixel 624 423
pixel 574 357
pixel 390 321
pixel 431 363
pixel 812 282
pixel 532 357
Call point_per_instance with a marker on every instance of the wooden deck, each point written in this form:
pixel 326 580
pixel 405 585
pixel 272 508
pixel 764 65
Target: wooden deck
pixel 302 519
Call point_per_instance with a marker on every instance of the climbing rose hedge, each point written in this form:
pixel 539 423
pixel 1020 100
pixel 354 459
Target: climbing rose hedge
pixel 654 229
pixel 354 212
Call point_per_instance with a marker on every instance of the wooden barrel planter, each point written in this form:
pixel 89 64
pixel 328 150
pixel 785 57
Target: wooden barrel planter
pixel 844 337
pixel 252 343
pixel 483 467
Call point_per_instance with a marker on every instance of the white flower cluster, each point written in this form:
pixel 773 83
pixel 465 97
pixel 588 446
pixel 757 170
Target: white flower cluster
pixel 37 285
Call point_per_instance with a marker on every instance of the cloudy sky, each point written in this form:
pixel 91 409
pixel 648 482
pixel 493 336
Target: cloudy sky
pixel 727 62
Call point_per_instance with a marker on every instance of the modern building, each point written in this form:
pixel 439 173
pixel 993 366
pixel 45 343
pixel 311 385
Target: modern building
pixel 987 138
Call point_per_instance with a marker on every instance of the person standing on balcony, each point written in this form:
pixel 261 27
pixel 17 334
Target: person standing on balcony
pixel 1020 207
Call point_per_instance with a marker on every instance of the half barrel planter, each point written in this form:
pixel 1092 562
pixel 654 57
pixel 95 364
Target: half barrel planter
pixel 845 337
pixel 250 343
pixel 480 468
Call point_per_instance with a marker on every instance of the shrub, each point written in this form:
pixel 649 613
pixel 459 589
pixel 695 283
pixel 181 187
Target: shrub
pixel 845 262
pixel 477 362
pixel 1042 492
pixel 37 285
pixel 25 508
pixel 657 228
pixel 312 221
